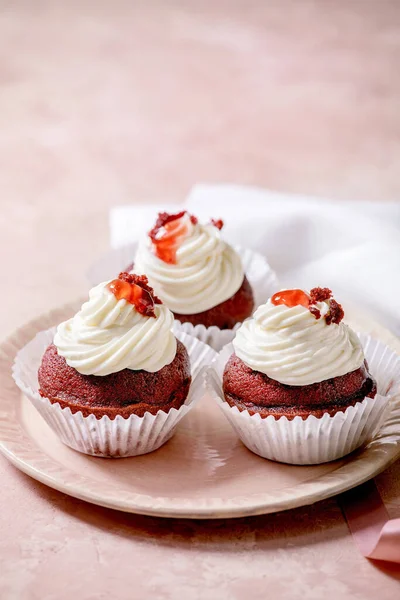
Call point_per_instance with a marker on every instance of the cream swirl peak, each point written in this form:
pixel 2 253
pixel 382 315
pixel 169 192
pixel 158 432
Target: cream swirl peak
pixel 188 264
pixel 122 326
pixel 299 342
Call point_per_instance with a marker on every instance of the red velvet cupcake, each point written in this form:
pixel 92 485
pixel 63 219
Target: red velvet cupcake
pixel 195 273
pixel 118 355
pixel 297 386
pixel 114 380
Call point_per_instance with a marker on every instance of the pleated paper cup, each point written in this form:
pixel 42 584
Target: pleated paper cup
pixel 314 440
pixel 261 277
pixel 119 437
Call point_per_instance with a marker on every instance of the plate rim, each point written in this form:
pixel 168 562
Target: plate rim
pixel 328 484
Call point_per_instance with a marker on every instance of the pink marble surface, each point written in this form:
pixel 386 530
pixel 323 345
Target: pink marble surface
pixel 114 102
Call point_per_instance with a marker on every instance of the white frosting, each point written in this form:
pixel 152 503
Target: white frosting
pixel 108 335
pixel 293 347
pixel 207 272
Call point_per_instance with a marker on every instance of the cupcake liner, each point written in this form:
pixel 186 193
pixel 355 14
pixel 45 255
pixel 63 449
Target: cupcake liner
pixel 262 279
pixel 314 440
pixel 107 437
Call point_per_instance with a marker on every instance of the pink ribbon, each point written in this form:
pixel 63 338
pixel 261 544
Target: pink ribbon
pixel 376 535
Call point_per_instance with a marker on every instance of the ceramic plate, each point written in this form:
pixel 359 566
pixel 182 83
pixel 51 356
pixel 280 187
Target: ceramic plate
pixel 203 472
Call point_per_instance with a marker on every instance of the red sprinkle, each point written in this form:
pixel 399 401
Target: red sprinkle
pixel 135 290
pixel 218 223
pixel 314 311
pixel 320 294
pixel 335 314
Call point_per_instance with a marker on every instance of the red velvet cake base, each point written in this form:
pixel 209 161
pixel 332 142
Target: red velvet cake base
pixel 124 393
pixel 225 315
pixel 257 393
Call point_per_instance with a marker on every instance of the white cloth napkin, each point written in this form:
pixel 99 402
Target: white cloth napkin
pixel 351 247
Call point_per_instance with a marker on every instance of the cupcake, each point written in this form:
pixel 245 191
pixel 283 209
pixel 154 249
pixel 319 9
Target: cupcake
pixel 113 380
pixel 117 355
pixel 297 386
pixel 195 273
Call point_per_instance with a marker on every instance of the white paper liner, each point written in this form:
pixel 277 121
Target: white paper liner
pixel 119 437
pixel 262 279
pixel 314 440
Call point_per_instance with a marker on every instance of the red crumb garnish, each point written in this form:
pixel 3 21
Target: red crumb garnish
pixel 335 314
pixel 135 290
pixel 291 298
pixel 315 311
pixel 218 223
pixel 168 234
pixel 320 294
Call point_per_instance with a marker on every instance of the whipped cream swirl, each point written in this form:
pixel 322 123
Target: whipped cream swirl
pixel 207 271
pixel 108 335
pixel 293 347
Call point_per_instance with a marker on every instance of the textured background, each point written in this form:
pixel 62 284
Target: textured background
pixel 111 102
pixel 105 102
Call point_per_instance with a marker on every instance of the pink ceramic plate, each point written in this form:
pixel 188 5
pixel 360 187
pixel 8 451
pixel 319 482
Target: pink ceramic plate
pixel 203 472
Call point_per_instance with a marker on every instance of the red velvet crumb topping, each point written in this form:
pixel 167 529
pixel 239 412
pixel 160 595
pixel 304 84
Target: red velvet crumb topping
pixel 135 290
pixel 291 298
pixel 335 314
pixel 218 223
pixel 315 311
pixel 320 294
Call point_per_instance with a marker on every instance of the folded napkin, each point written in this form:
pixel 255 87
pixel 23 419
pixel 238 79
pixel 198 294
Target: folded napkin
pixel 376 535
pixel 351 247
